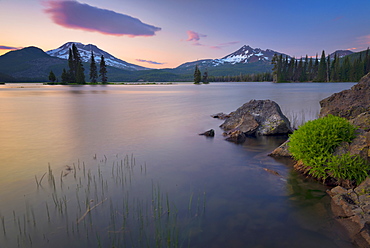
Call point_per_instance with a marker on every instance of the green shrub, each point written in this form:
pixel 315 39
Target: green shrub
pixel 348 166
pixel 314 143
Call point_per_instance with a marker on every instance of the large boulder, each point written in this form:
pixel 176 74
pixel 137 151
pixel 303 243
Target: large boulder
pixel 348 103
pixel 257 117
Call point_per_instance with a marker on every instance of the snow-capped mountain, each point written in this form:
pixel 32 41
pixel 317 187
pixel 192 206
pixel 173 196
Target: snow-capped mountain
pixel 340 53
pixel 244 55
pixel 247 54
pixel 85 53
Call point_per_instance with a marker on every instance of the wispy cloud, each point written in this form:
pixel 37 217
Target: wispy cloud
pixel 150 62
pixel 364 40
pixel 222 45
pixel 75 15
pixel 194 36
pixel 9 48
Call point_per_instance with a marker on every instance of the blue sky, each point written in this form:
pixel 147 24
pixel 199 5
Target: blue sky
pixel 167 33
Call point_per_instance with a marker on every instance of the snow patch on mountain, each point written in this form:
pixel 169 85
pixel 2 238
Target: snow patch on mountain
pixel 244 55
pixel 85 53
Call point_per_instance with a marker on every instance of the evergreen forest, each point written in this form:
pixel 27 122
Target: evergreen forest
pixel 326 69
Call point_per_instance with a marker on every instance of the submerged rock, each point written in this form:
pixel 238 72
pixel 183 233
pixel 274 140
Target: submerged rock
pixel 257 117
pixel 209 133
pixel 281 151
pixel 220 116
pixel 235 136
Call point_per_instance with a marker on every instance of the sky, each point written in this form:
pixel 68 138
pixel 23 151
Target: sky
pixel 167 33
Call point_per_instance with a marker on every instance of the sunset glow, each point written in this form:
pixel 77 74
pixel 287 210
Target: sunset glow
pixel 165 34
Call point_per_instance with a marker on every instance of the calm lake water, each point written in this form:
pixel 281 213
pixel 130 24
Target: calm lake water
pixel 125 167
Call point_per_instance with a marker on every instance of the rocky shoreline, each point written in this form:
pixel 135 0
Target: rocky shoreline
pixel 350 205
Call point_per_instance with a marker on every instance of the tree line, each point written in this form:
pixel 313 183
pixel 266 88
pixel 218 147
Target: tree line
pixel 254 77
pixel 76 72
pixel 325 69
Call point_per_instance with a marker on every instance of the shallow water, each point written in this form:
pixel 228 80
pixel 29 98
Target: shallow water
pixel 233 202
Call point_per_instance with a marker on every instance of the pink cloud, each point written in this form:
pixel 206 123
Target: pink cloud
pixel 150 62
pixel 75 15
pixel 194 36
pixel 9 48
pixel 364 40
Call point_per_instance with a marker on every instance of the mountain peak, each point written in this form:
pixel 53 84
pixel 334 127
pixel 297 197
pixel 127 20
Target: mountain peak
pixel 244 55
pixel 340 53
pixel 247 54
pixel 85 53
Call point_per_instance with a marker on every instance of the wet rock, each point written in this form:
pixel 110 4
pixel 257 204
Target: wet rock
pixel 272 172
pixel 235 136
pixel 281 151
pixel 258 117
pixel 351 208
pixel 220 116
pixel 209 133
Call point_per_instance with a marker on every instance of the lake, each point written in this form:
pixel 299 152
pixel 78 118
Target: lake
pixel 124 166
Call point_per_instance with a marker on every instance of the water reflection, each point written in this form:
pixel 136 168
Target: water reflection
pixel 246 206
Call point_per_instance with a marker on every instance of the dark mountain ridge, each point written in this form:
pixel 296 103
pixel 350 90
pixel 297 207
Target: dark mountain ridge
pixel 33 64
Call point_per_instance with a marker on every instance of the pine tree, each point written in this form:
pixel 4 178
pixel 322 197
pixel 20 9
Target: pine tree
pixel 304 74
pixel 72 69
pixel 93 70
pixel 345 70
pixel 52 77
pixel 299 71
pixel 205 77
pixel 65 77
pixel 336 77
pixel 276 68
pixel 310 70
pixel 197 75
pixel 103 71
pixel 291 68
pixel 80 75
pixel 76 69
pixel 315 67
pixel 322 69
pixel 328 72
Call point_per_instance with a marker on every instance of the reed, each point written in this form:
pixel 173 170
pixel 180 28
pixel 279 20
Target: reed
pixel 136 216
pixel 38 183
pixel 3 224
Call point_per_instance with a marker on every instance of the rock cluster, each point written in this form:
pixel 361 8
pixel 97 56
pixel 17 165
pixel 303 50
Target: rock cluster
pixel 351 208
pixel 354 105
pixel 257 117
